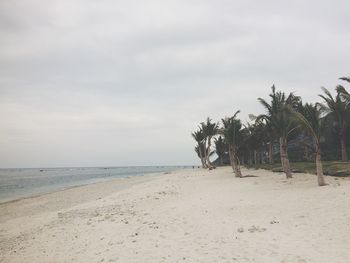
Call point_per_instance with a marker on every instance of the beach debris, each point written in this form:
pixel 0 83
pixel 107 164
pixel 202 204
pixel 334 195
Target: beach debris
pixel 240 230
pixel 253 229
pixel 274 222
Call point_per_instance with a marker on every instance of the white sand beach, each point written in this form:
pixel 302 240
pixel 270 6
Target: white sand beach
pixel 185 216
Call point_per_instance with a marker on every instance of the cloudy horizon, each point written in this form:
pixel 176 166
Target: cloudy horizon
pixel 86 83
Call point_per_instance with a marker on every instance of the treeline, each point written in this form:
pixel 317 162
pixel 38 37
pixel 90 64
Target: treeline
pixel 314 131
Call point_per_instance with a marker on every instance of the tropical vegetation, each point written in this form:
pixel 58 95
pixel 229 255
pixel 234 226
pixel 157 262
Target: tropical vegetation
pixel 289 130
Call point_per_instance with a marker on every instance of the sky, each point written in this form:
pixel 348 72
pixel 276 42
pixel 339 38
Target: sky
pixel 119 83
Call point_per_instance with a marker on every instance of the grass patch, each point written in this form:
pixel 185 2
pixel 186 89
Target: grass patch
pixel 333 168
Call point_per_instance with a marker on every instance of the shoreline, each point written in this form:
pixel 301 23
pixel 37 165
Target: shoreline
pixel 97 181
pixel 190 215
pixel 87 192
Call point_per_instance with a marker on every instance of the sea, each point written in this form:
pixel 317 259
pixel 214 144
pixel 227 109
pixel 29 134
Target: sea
pixel 16 183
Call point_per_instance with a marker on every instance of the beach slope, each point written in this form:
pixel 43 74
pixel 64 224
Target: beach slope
pixel 185 216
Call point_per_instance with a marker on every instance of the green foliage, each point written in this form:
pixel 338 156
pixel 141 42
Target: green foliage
pixel 301 128
pixel 198 136
pixel 209 129
pixel 233 131
pixel 310 119
pixel 220 146
pixel 336 106
pixel 333 168
pixel 277 114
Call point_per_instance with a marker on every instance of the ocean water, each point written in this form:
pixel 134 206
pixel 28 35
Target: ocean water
pixel 19 183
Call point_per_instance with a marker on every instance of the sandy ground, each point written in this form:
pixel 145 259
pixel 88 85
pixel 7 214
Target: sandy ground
pixel 186 216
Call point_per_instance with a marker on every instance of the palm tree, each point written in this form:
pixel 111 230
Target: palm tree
pixel 198 136
pixel 345 79
pixel 338 107
pixel 310 118
pixel 220 149
pixel 344 93
pixel 233 136
pixel 281 122
pixel 265 126
pixel 209 130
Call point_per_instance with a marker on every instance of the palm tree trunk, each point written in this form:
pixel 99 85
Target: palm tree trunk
pixel 209 163
pixel 319 168
pixel 281 155
pixel 205 153
pixel 238 167
pixel 201 155
pixel 284 157
pixel 234 161
pixel 255 158
pixel 231 157
pixel 270 153
pixel 344 154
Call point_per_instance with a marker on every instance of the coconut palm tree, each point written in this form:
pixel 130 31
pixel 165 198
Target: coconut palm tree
pixel 310 119
pixel 233 136
pixel 345 79
pixel 198 136
pixel 264 123
pixel 344 94
pixel 281 122
pixel 340 109
pixel 220 149
pixel 209 130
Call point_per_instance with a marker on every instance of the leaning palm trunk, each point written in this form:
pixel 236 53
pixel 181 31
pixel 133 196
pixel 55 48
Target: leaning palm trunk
pixel 237 167
pixel 319 168
pixel 201 156
pixel 284 157
pixel 209 163
pixel 235 162
pixel 205 157
pixel 230 153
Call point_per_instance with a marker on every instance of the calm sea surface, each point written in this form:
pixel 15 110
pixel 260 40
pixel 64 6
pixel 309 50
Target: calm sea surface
pixel 18 183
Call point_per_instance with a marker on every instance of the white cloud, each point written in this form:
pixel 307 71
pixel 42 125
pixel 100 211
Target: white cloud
pixel 122 83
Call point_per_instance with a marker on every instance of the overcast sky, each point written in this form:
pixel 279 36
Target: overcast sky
pixel 96 83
